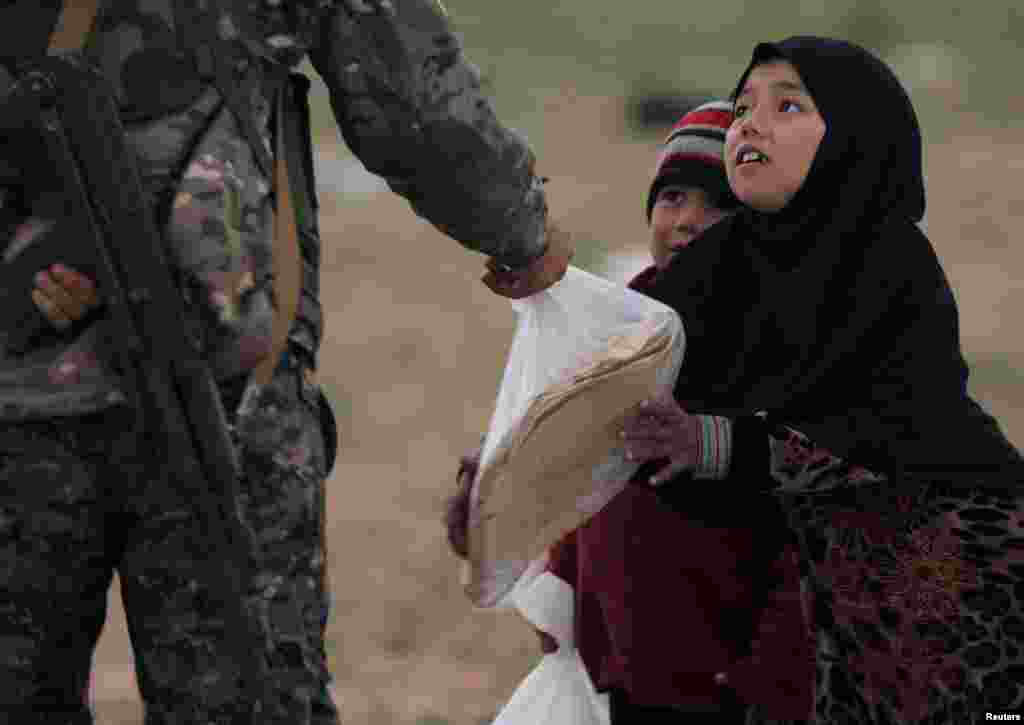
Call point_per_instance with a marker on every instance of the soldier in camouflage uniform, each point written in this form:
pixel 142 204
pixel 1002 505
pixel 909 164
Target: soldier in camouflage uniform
pixel 78 499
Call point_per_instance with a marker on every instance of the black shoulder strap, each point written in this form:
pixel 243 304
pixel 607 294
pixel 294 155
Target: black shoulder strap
pixel 227 63
pixel 25 29
pixel 236 76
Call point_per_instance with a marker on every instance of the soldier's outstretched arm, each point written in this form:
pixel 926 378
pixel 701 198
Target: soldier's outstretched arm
pixel 410 106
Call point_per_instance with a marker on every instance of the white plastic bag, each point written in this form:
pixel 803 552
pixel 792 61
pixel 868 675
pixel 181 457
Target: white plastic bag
pixel 558 691
pixel 585 352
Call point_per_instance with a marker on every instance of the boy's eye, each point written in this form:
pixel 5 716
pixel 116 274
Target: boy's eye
pixel 739 111
pixel 672 196
pixel 790 107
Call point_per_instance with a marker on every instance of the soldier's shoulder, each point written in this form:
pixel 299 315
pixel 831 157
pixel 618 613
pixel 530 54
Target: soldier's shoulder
pixel 266 27
pixel 135 42
pixel 283 31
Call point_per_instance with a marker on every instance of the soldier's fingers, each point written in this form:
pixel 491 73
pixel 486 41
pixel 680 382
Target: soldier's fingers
pixel 50 310
pixel 81 287
pixel 60 296
pixel 505 285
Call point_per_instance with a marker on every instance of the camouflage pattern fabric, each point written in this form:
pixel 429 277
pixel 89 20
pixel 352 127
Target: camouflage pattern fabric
pixel 77 501
pixel 408 104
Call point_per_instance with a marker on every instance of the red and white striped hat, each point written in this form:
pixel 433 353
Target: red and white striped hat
pixel 693 154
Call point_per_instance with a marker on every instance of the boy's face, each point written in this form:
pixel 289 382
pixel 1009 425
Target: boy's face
pixel 680 214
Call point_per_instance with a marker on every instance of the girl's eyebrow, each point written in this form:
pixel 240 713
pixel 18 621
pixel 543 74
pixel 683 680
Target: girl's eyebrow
pixel 787 86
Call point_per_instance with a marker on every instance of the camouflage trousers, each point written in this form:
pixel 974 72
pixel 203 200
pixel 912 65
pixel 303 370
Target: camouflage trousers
pixel 79 502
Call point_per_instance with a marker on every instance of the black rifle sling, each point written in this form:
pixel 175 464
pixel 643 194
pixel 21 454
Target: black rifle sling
pixel 228 65
pixel 178 394
pixel 25 28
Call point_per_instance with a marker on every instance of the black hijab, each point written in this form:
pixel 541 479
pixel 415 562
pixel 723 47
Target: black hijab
pixel 834 314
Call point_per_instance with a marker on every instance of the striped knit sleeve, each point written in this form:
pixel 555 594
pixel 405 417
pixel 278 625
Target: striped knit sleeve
pixel 716 445
pixel 763 456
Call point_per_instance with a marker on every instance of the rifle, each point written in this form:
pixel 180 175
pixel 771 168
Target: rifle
pixel 70 111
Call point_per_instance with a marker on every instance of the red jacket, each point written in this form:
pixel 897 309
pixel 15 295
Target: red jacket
pixel 662 601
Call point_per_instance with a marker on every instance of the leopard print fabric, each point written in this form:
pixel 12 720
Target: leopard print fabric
pixel 917 589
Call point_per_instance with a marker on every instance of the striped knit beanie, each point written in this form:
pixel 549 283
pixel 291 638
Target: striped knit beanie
pixel 693 155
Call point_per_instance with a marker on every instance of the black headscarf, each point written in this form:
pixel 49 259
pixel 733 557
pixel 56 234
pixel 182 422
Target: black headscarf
pixel 834 314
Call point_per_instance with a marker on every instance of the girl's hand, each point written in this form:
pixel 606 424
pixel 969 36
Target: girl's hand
pixel 661 429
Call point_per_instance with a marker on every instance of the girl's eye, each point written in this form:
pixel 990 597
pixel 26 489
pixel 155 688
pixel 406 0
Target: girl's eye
pixel 790 107
pixel 739 111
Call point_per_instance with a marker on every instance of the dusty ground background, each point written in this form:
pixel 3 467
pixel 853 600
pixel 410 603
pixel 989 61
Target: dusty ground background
pixel 415 349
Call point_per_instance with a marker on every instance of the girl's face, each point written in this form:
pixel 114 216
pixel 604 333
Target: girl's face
pixel 772 142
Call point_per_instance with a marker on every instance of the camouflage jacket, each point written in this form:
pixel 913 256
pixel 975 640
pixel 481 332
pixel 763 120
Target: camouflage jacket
pixel 408 104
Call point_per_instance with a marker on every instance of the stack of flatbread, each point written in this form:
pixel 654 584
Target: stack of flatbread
pixel 563 461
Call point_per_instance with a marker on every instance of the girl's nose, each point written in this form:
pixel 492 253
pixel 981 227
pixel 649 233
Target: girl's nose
pixel 749 126
pixel 753 122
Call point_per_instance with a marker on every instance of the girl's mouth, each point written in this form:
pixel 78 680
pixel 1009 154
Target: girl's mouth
pixel 748 154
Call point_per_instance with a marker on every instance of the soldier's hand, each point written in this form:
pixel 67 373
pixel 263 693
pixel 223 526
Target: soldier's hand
pixel 536 276
pixel 64 296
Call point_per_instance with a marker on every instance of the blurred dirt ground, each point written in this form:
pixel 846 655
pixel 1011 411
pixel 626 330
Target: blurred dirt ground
pixel 413 356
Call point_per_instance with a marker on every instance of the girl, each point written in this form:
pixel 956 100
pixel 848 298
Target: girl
pixel 822 307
